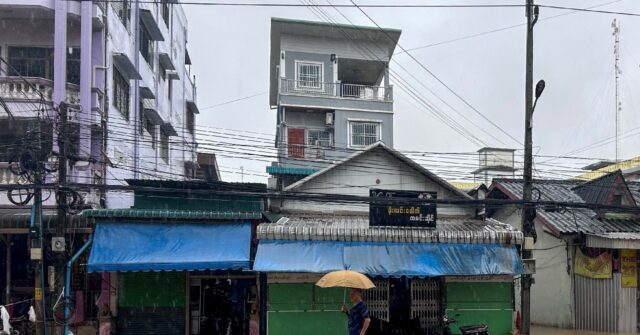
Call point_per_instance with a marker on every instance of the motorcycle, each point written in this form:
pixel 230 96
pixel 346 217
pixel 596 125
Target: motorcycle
pixel 23 324
pixel 464 330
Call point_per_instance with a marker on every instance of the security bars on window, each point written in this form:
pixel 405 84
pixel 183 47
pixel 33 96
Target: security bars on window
pixel 364 133
pixel 309 76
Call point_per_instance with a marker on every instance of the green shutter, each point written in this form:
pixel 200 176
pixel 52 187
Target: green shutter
pixel 303 309
pixel 152 289
pixel 475 303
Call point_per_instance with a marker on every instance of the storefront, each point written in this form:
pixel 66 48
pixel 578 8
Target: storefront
pixel 179 277
pixel 464 268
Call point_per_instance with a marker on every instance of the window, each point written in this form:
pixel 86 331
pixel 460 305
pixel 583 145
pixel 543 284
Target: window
pixel 122 9
pixel 146 46
pixel 149 128
pixel 164 6
pixel 318 138
pixel 191 122
pixel 164 146
pixel 121 94
pixel 308 75
pixel 170 90
pixel 364 133
pixel 38 62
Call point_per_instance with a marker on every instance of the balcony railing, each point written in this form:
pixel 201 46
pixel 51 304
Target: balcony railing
pixel 336 90
pixel 17 89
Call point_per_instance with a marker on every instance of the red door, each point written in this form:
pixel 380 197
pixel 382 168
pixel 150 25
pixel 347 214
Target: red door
pixel 296 142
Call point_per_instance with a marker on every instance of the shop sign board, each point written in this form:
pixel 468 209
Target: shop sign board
pixel 629 268
pixel 391 208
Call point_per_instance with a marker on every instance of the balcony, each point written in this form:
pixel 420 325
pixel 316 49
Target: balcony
pixel 23 94
pixel 336 95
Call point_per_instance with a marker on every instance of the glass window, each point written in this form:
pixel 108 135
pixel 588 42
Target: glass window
pixel 146 46
pixel 38 62
pixel 121 94
pixel 164 146
pixel 318 138
pixel 364 133
pixel 309 75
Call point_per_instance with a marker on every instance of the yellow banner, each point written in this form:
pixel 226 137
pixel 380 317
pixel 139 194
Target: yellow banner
pixel 599 267
pixel 629 268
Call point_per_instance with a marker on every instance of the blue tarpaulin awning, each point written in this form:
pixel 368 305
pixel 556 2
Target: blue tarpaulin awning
pixel 170 247
pixel 388 259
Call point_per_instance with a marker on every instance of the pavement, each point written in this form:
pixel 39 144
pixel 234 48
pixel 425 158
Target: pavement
pixel 540 330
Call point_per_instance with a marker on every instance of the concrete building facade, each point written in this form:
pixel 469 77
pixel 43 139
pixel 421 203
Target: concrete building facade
pixel 126 80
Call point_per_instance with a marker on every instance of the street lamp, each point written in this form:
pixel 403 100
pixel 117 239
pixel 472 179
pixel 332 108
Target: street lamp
pixel 539 88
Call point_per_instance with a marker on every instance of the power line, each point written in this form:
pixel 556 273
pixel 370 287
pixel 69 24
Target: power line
pixel 436 77
pixel 279 4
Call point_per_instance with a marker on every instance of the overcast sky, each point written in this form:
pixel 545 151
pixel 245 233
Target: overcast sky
pixel 229 47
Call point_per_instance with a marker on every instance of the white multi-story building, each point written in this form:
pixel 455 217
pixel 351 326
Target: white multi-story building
pixel 126 79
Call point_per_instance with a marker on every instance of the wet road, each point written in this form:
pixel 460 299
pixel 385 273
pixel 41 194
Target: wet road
pixel 539 330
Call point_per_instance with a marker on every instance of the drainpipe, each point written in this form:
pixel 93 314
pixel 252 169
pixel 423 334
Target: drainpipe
pixel 67 283
pixel 136 95
pixel 85 117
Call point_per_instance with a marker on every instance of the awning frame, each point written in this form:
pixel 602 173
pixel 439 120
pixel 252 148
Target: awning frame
pixel 126 68
pixel 165 61
pixel 146 17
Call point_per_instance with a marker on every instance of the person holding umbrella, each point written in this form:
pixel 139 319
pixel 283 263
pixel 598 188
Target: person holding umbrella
pixel 359 319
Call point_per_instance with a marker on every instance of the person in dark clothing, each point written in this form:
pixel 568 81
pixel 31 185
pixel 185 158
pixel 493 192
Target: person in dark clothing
pixel 359 319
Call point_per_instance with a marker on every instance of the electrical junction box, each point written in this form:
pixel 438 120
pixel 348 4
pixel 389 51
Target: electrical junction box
pixel 36 254
pixel 57 244
pixel 528 243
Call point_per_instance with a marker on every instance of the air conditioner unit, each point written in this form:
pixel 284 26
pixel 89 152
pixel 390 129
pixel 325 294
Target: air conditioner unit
pixel 319 154
pixel 329 119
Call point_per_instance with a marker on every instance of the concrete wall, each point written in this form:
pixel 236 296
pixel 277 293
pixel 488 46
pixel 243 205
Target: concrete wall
pixel 316 119
pixel 343 48
pixel 25 30
pixel 552 293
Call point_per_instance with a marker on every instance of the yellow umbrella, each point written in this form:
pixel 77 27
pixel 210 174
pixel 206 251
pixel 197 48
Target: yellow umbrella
pixel 345 278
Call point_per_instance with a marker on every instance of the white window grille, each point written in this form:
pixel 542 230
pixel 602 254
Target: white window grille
pixel 377 299
pixel 309 75
pixel 425 302
pixel 364 133
pixel 318 138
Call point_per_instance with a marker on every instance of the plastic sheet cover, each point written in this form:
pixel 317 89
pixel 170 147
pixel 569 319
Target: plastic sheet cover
pixel 167 247
pixel 389 259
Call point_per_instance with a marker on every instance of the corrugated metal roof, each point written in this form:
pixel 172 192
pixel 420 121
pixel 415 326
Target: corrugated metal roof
pixel 356 228
pixel 132 213
pixel 614 240
pixel 597 191
pixel 624 165
pixel 634 188
pixel 20 218
pixel 577 220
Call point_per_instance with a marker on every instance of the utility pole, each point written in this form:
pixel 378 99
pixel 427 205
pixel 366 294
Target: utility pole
pixel 616 54
pixel 528 212
pixel 59 243
pixel 37 235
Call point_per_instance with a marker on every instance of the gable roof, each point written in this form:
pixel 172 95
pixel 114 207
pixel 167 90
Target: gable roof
pixel 381 146
pixel 597 191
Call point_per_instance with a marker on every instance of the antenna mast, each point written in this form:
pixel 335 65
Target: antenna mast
pixel 616 54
